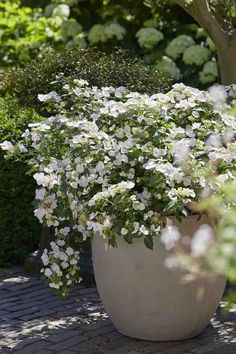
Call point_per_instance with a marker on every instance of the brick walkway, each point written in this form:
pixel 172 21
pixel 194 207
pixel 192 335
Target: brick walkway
pixel 34 320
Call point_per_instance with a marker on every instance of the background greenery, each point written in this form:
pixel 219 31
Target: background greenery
pixel 28 27
pixel 19 230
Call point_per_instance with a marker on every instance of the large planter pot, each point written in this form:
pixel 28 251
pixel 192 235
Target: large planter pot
pixel 146 300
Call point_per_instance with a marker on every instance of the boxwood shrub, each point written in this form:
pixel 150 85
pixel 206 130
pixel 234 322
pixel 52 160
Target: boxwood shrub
pixel 117 68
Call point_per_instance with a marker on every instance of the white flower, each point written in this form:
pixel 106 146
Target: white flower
pixel 7 145
pixel 60 243
pixel 61 10
pixel 69 251
pixel 63 257
pixel 47 272
pixel 83 182
pixel 149 37
pixel 54 285
pixel 65 231
pixel 45 259
pixel 80 168
pixel 22 148
pixel 202 240
pixel 73 262
pixel 55 268
pixel 50 96
pixel 124 231
pixel 64 265
pixel 40 193
pixel 136 227
pixel 218 92
pixel 169 236
pixel 41 179
pixel 178 45
pixel 40 214
pixel 196 54
pixel 168 65
pixel 143 230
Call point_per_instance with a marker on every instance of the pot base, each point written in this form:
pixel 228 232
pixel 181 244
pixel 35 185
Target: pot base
pixel 146 300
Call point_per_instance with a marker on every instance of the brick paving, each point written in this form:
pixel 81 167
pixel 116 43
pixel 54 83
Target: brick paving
pixel 34 320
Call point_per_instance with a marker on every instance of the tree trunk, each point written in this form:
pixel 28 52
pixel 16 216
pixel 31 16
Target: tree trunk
pixel 227 62
pixel 224 41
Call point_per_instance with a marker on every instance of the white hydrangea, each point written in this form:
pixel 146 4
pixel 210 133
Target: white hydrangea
pixel 61 10
pixel 97 34
pixel 115 30
pixel 102 33
pixel 168 65
pixel 149 37
pixel 209 72
pixel 196 55
pixel 178 46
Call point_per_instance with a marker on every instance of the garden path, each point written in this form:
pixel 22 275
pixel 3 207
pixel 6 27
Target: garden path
pixel 35 320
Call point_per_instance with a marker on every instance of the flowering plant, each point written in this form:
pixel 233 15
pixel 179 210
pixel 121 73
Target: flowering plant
pixel 111 163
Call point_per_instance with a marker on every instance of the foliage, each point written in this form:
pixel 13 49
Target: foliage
pixel 24 31
pixel 212 248
pixel 19 230
pixel 112 162
pixel 79 24
pixel 119 68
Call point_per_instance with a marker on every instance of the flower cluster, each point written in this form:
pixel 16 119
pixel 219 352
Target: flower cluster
pixel 61 263
pixel 183 51
pixel 102 33
pixel 112 163
pixel 166 64
pixel 196 55
pixel 209 72
pixel 149 37
pixel 178 46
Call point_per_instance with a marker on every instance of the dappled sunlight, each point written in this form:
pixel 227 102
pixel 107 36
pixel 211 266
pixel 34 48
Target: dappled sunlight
pixel 35 319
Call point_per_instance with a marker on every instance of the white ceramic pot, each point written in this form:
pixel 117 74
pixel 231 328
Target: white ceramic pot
pixel 146 300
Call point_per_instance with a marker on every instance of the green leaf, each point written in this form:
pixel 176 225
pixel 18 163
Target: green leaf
pixel 148 242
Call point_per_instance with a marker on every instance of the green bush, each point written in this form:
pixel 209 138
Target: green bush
pixel 19 229
pixel 28 27
pixel 119 68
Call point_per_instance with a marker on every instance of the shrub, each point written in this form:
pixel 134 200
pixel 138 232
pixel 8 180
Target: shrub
pixel 112 163
pixel 119 68
pixel 19 229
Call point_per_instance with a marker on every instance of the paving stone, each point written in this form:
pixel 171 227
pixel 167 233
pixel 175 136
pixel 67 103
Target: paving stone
pixel 116 343
pixel 66 352
pixel 62 336
pixel 91 344
pixel 69 343
pixel 33 348
pixel 35 320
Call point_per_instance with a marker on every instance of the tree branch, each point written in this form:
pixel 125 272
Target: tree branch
pixel 201 12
